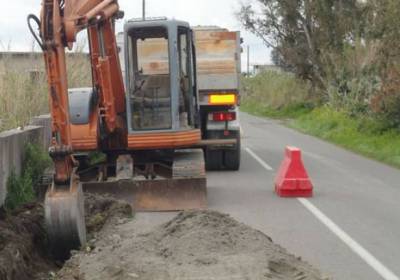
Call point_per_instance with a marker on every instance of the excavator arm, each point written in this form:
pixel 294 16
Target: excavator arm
pixel 60 22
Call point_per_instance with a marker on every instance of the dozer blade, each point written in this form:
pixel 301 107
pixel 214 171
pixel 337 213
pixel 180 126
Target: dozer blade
pixel 65 219
pixel 186 189
pixel 156 195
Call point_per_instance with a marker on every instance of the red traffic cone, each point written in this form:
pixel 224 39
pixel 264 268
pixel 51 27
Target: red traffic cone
pixel 292 179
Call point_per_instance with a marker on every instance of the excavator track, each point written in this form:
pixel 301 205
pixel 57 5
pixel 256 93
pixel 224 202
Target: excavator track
pixel 65 218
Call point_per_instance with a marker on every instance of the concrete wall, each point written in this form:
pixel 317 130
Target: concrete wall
pixel 12 144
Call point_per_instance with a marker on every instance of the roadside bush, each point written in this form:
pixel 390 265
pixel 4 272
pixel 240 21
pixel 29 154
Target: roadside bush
pixel 20 189
pixel 275 91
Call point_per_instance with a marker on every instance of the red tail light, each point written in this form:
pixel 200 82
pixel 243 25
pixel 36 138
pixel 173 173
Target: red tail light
pixel 224 116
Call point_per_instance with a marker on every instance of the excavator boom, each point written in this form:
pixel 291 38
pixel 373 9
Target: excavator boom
pixel 60 22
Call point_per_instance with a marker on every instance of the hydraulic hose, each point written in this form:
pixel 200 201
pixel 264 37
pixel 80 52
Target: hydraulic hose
pixel 37 21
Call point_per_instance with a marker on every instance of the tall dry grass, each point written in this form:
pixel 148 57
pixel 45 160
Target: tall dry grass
pixel 23 87
pixel 275 90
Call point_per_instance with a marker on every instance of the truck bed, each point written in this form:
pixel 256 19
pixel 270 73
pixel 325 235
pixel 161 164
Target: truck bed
pixel 218 54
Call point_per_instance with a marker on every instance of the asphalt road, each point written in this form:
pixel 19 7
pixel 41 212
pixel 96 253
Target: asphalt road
pixel 351 228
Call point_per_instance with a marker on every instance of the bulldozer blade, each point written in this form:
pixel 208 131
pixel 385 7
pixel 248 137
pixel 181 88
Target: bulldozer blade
pixel 156 195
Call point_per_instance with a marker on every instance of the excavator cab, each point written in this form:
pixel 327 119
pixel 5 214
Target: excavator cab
pixel 160 76
pixel 163 166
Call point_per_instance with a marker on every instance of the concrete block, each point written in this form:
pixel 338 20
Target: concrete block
pixel 12 145
pixel 45 121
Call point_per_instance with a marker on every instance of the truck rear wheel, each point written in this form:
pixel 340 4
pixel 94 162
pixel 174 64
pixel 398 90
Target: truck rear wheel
pixel 214 160
pixel 232 157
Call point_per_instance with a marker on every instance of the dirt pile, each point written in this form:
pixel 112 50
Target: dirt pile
pixel 193 245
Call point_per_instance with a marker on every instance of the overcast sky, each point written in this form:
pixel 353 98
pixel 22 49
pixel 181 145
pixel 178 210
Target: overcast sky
pixel 15 35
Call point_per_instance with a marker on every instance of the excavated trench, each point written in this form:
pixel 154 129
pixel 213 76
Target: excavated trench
pixel 192 245
pixel 24 252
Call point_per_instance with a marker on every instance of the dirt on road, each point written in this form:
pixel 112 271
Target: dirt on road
pixel 193 245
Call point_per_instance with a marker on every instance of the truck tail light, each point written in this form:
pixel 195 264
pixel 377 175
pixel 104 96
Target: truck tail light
pixel 222 99
pixel 224 116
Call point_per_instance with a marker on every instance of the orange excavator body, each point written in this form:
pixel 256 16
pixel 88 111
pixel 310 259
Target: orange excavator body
pixel 144 154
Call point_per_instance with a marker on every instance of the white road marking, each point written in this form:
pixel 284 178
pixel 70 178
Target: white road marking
pixel 366 256
pixel 257 158
pixel 382 270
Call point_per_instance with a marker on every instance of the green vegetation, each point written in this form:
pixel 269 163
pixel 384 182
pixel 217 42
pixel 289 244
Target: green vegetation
pixel 20 189
pixel 344 61
pixel 345 51
pixel 23 86
pixel 276 94
pixel 22 95
pixel 365 134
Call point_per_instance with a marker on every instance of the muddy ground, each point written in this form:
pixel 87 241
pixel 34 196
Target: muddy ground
pixel 23 244
pixel 190 245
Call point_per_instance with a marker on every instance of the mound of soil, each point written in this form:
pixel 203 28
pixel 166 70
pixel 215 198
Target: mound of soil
pixel 101 209
pixel 193 245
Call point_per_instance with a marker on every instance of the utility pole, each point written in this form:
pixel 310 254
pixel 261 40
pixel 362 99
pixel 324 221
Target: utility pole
pixel 144 9
pixel 248 61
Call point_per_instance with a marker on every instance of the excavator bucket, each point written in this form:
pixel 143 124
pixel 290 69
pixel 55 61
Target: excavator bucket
pixel 65 218
pixel 186 190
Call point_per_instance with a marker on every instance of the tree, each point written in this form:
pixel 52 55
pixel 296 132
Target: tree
pixel 305 35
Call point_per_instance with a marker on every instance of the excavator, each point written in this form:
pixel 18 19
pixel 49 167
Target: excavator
pixel 146 124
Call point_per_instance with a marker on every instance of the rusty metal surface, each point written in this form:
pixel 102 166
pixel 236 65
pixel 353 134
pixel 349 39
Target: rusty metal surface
pixel 185 189
pixel 156 195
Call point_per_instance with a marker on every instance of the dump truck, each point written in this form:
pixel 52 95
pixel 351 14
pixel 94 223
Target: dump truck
pixel 218 70
pixel 218 54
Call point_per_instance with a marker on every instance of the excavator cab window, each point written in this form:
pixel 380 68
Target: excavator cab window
pixel 160 76
pixel 149 89
pixel 185 78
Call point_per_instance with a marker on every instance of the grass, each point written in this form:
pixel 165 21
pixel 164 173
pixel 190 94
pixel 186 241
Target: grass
pixel 274 90
pixel 291 111
pixel 364 135
pixel 23 95
pixel 23 87
pixel 20 189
